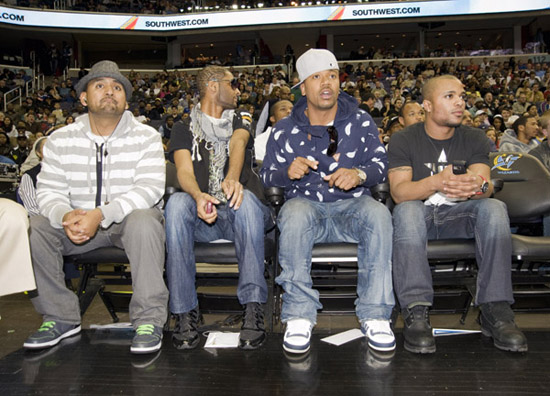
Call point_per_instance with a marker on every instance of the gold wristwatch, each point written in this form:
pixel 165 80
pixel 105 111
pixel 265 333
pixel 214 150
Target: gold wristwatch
pixel 362 175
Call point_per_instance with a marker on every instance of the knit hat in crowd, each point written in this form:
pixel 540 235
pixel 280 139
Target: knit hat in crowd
pixel 313 61
pixel 104 68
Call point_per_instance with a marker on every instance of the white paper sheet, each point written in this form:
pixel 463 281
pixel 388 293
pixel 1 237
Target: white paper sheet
pixel 217 339
pixel 344 337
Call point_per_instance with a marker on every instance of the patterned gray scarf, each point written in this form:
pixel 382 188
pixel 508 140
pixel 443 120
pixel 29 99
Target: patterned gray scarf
pixel 216 133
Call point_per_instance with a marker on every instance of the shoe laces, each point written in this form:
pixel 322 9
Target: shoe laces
pixel 253 316
pixel 145 329
pixel 47 326
pixel 187 321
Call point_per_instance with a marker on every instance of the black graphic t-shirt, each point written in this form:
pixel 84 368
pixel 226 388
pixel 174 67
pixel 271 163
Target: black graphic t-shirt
pixel 413 147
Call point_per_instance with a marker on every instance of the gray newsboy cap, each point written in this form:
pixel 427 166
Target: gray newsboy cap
pixel 104 68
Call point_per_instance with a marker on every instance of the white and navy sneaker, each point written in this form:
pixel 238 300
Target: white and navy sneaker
pixel 379 334
pixel 297 336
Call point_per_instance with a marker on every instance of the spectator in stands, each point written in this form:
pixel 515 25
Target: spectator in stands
pixel 367 104
pixel 523 137
pixel 277 112
pixel 211 150
pixel 27 188
pixel 463 209
pixel 20 152
pixel 105 211
pixel 150 113
pixel 165 129
pixel 410 114
pixel 520 106
pixel 326 155
pixel 5 146
pixel 498 123
pixel 8 127
pixel 16 272
pixel 542 151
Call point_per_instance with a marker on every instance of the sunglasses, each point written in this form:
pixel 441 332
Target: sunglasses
pixel 233 82
pixel 333 136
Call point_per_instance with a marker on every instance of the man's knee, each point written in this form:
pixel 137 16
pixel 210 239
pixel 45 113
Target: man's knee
pixel 180 205
pixel 297 212
pixel 144 221
pixel 408 219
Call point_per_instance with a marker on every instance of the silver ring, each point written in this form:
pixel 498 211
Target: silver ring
pixel 241 192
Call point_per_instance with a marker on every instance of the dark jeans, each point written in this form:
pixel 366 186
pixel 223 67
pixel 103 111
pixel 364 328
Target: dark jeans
pixel 486 220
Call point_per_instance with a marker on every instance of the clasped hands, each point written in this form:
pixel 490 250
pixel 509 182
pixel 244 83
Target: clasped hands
pixel 345 179
pixel 81 225
pixel 459 186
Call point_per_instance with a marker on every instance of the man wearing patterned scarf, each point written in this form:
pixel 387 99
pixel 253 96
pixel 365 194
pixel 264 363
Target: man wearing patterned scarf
pixel 222 199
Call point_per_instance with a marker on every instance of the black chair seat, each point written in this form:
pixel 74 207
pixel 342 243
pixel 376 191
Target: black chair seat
pixel 442 249
pixel 531 247
pixel 451 249
pixel 224 252
pixel 109 254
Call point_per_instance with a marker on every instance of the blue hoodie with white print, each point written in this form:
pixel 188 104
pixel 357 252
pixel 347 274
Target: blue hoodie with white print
pixel 358 147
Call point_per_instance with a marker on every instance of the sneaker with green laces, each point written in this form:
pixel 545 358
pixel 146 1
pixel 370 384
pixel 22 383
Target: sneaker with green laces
pixel 50 334
pixel 148 339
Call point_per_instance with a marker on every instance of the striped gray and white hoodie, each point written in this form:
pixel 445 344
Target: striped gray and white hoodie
pixel 134 170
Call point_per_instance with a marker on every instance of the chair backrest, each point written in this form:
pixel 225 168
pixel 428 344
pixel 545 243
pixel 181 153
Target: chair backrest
pixel 526 187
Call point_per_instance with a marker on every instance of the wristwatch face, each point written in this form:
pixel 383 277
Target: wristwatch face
pixel 484 187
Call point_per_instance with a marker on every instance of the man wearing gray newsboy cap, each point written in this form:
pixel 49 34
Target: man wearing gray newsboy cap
pixel 101 184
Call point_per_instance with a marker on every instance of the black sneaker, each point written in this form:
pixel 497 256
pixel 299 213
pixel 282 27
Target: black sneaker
pixel 497 321
pixel 186 334
pixel 148 339
pixel 252 333
pixel 50 334
pixel 417 331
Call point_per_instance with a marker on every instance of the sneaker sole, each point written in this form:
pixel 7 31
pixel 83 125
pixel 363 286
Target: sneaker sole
pixel 417 349
pixel 54 342
pixel 295 349
pixel 382 347
pixel 139 351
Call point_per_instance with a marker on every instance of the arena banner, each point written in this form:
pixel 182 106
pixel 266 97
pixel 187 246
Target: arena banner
pixel 267 16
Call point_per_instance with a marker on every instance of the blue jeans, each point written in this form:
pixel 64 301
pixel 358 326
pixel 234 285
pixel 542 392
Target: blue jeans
pixel 244 226
pixel 362 220
pixel 486 220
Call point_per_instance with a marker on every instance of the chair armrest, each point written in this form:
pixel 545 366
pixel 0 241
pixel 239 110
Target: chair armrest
pixel 380 192
pixel 498 184
pixel 275 196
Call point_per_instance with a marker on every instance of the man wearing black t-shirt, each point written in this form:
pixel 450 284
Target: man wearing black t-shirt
pixel 221 200
pixel 433 203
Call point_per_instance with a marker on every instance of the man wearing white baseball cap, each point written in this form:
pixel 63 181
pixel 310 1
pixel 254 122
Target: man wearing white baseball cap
pixel 326 155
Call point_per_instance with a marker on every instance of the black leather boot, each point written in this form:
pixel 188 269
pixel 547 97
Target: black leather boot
pixel 497 321
pixel 418 331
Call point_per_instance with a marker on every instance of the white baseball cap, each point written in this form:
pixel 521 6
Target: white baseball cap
pixel 315 60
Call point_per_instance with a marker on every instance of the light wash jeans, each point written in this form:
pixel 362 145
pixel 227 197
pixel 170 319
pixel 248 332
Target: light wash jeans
pixel 245 226
pixel 140 234
pixel 486 220
pixel 362 220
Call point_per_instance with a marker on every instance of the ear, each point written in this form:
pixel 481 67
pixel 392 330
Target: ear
pixel 272 119
pixel 303 89
pixel 427 105
pixel 127 106
pixel 402 121
pixel 83 99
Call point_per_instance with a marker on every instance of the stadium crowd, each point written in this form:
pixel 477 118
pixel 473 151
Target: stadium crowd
pixel 498 92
